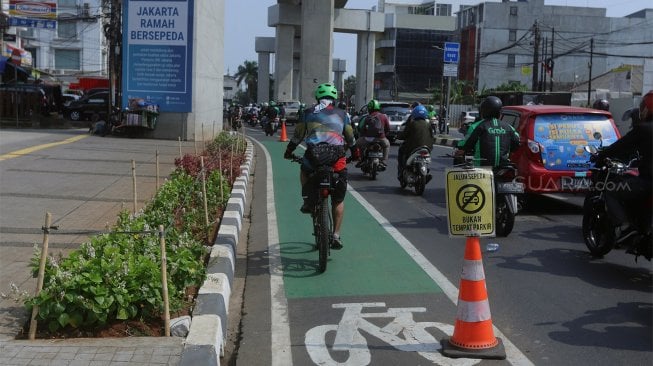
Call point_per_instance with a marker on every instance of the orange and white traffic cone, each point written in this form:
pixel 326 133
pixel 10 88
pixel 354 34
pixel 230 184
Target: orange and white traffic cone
pixel 283 137
pixel 473 334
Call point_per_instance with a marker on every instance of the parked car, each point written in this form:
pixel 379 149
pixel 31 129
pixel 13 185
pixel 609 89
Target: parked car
pixel 466 119
pixel 397 113
pixel 292 111
pixel 551 157
pixel 67 98
pixel 85 107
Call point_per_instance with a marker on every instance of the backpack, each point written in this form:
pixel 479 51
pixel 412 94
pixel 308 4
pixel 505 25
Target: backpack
pixel 373 126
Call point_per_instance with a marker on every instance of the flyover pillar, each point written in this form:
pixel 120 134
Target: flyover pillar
pixel 263 46
pixel 366 43
pixel 316 46
pixel 339 69
pixel 283 65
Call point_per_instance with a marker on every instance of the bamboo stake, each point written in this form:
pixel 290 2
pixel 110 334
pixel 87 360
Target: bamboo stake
pixel 39 285
pixel 195 143
pixel 205 199
pixel 134 185
pixel 157 169
pixel 231 165
pixel 221 173
pixel 164 280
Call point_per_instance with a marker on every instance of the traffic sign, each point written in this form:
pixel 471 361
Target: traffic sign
pixel 450 70
pixel 470 202
pixel 451 52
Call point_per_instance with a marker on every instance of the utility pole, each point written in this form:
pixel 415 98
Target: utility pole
pixel 551 62
pixel 536 56
pixel 589 80
pixel 542 86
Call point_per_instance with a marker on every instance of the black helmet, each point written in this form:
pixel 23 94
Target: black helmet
pixel 601 104
pixel 490 107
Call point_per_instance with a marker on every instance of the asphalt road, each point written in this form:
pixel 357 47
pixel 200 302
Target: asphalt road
pixel 551 302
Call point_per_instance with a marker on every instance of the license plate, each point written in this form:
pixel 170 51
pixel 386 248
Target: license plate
pixel 575 183
pixel 510 187
pixel 375 155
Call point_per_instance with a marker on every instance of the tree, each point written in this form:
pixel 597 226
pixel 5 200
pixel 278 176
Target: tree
pixel 248 72
pixel 511 86
pixel 350 86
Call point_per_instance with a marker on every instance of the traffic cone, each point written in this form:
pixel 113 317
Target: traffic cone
pixel 284 136
pixel 473 335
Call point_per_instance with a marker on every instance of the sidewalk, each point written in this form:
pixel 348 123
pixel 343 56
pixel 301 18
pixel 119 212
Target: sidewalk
pixel 109 191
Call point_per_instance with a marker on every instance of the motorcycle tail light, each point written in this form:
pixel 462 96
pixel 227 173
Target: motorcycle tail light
pixel 324 192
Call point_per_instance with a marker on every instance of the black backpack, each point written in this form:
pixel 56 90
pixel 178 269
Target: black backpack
pixel 373 126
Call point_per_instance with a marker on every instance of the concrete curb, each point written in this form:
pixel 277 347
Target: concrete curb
pixel 205 342
pixel 446 141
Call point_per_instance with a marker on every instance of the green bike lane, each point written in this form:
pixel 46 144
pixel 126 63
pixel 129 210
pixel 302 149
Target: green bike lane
pixel 379 302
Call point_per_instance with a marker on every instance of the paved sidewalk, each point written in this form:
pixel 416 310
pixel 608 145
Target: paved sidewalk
pixel 90 183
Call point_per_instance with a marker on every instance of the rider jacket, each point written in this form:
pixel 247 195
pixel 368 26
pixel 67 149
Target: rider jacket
pixel 496 140
pixel 416 134
pixel 638 139
pixel 324 124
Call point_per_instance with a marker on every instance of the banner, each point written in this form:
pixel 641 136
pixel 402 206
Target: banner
pixel 157 53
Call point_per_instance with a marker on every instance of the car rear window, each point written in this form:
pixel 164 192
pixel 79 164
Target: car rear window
pixel 564 137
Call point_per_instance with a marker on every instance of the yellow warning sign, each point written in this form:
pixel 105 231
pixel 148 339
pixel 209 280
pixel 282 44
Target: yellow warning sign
pixel 470 202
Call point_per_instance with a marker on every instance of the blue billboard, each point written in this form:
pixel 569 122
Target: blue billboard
pixel 157 53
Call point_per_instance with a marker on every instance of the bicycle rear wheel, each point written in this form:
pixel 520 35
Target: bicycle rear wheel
pixel 323 234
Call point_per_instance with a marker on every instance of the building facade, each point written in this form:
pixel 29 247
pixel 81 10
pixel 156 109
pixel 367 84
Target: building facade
pixel 547 47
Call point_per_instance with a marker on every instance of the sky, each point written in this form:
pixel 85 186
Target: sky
pixel 247 19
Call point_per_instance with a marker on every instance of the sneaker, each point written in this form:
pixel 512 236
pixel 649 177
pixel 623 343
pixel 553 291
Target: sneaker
pixel 306 208
pixel 336 242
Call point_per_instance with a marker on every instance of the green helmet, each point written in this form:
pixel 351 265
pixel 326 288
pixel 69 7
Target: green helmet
pixel 373 105
pixel 273 103
pixel 326 90
pixel 430 108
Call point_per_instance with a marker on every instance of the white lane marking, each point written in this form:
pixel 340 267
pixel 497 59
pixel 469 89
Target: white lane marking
pixel 280 328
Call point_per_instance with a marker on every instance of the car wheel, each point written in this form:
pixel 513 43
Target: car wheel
pixel 75 116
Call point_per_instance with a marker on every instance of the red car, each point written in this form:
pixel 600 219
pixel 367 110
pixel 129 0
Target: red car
pixel 551 157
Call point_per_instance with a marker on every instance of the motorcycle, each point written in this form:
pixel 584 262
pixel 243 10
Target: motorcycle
pixel 252 119
pixel 443 126
pixel 371 161
pixel 600 212
pixel 416 172
pixel 434 126
pixel 507 191
pixel 271 127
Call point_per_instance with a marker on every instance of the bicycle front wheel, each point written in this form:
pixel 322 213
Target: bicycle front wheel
pixel 323 234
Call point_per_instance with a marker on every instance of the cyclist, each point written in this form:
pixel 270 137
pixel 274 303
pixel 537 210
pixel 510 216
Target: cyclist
pixel 416 134
pixel 374 127
pixel 323 122
pixel 496 138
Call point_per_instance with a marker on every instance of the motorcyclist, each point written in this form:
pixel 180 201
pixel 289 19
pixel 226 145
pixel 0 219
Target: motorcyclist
pixel 272 112
pixel 416 134
pixel 325 123
pixel 635 188
pixel 369 133
pixel 601 104
pixel 496 138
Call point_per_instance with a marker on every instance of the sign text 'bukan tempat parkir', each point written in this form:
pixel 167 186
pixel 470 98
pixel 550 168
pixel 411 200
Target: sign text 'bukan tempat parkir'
pixel 157 53
pixel 470 202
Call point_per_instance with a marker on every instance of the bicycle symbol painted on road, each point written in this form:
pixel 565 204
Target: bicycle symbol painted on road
pixel 402 332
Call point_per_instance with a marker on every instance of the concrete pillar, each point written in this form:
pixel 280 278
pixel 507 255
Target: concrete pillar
pixel 339 69
pixel 366 43
pixel 285 35
pixel 263 86
pixel 316 46
pixel 264 46
pixel 296 77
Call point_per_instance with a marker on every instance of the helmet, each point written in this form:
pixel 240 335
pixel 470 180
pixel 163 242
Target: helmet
pixel 490 107
pixel 342 105
pixel 373 105
pixel 430 108
pixel 601 104
pixel 414 104
pixel 273 103
pixel 326 90
pixel 265 104
pixel 646 107
pixel 419 112
pixel 302 106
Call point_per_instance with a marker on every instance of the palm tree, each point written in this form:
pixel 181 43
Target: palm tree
pixel 248 72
